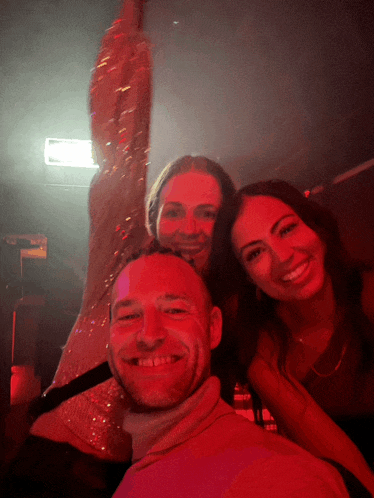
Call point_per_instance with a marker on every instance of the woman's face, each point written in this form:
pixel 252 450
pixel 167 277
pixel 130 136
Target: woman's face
pixel 280 253
pixel 189 204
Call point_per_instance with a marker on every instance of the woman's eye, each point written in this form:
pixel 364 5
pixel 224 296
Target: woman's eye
pixel 173 213
pixel 287 229
pixel 252 255
pixel 210 215
pixel 206 214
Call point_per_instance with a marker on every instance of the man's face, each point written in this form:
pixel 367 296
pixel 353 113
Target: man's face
pixel 162 331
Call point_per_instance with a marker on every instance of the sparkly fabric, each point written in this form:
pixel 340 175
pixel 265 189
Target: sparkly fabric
pixel 120 100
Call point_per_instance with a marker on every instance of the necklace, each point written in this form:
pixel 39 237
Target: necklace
pixel 326 338
pixel 336 366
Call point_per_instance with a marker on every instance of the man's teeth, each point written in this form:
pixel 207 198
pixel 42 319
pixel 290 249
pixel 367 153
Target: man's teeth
pixel 296 273
pixel 155 362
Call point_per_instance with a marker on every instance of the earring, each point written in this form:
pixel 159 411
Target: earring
pixel 258 294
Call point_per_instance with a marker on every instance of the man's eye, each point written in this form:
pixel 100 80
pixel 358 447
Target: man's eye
pixel 128 317
pixel 175 311
pixel 287 229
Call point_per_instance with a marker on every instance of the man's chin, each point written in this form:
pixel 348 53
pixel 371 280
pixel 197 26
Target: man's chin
pixel 148 406
pixel 152 408
pixel 156 401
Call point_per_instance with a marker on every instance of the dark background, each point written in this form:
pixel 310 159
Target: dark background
pixel 267 88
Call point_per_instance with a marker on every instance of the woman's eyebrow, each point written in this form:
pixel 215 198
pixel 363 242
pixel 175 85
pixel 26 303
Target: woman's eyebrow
pixel 173 203
pixel 204 206
pixel 272 231
pixel 276 225
pixel 254 242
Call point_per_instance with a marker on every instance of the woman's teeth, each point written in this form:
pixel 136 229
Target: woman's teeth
pixel 296 273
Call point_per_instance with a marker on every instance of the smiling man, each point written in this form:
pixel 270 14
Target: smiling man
pixel 162 331
pixel 187 442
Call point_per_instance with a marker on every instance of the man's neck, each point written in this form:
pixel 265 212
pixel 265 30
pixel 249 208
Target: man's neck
pixel 157 430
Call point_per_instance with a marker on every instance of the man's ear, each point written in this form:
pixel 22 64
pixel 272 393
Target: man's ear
pixel 215 327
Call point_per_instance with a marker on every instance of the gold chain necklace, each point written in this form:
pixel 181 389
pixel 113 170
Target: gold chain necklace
pixel 336 366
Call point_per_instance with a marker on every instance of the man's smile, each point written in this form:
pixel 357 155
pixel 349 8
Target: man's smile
pixel 155 361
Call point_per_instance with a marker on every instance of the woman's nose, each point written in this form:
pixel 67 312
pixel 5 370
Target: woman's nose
pixel 282 250
pixel 189 226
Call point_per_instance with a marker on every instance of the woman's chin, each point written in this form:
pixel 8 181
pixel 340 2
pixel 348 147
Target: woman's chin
pixel 199 260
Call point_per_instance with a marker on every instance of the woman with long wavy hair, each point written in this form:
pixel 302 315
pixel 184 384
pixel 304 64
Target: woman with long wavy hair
pixel 304 342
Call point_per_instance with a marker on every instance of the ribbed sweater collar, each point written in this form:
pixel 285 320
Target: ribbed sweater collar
pixel 159 431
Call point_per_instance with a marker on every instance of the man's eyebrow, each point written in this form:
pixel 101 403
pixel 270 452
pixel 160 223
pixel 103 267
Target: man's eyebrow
pixel 123 303
pixel 175 297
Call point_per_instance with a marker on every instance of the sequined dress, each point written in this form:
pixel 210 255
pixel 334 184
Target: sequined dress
pixel 120 102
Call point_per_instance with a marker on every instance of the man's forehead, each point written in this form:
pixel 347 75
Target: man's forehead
pixel 159 274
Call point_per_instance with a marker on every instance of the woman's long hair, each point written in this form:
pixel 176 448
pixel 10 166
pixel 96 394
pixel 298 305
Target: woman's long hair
pixel 227 277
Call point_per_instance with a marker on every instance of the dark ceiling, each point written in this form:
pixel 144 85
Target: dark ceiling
pixel 269 88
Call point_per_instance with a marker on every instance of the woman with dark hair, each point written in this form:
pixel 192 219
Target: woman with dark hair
pixel 183 205
pixel 304 342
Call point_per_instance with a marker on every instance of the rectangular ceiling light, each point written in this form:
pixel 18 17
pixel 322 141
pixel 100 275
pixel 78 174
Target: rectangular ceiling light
pixel 67 152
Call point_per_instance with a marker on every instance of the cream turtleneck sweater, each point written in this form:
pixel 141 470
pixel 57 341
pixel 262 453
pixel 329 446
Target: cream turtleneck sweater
pixel 201 448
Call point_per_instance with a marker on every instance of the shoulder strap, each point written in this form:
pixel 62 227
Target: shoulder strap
pixel 54 397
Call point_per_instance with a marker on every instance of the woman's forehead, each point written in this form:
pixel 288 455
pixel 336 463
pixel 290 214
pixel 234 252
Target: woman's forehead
pixel 192 188
pixel 264 206
pixel 258 215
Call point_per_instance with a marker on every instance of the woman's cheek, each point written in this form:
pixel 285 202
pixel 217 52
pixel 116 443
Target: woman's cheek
pixel 167 228
pixel 311 241
pixel 208 228
pixel 260 273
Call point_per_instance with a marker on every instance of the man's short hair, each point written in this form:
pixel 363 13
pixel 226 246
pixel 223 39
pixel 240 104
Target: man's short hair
pixel 155 248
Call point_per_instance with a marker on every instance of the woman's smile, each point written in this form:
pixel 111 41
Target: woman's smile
pixel 294 275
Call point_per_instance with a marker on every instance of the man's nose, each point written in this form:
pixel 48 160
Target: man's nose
pixel 152 334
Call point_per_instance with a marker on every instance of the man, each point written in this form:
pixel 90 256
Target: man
pixel 186 441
